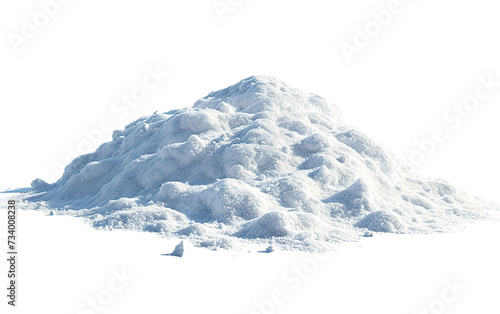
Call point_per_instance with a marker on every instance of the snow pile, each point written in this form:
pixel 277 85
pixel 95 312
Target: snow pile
pixel 256 162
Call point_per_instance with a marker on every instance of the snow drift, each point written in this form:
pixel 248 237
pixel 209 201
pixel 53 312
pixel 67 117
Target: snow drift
pixel 255 162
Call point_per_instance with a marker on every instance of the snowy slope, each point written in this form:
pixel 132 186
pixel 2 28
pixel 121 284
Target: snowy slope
pixel 255 162
pixel 390 274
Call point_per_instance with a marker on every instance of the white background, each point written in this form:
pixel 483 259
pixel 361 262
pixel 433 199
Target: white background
pixel 64 79
pixel 428 57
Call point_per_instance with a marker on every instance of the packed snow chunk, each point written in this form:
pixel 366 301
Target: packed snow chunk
pixel 353 201
pixel 269 249
pixel 382 221
pixel 229 199
pixel 38 185
pixel 178 250
pixel 368 234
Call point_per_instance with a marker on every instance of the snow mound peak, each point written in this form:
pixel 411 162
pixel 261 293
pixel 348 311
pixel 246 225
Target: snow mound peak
pixel 260 94
pixel 255 162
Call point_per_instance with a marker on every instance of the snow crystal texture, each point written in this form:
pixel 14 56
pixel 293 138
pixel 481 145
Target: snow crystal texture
pixel 257 162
